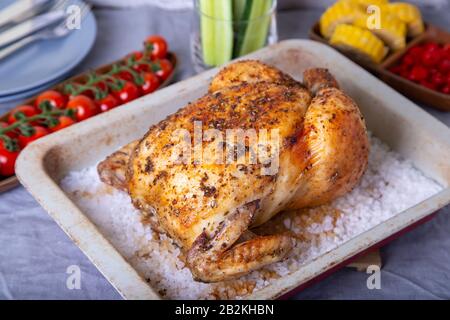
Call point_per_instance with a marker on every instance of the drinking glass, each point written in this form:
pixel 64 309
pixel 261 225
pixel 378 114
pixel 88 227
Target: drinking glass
pixel 223 30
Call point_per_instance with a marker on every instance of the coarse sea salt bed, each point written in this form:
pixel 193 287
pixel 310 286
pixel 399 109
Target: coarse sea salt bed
pixel 389 186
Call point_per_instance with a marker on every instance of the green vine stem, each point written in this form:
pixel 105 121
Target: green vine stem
pixel 109 80
pixel 49 115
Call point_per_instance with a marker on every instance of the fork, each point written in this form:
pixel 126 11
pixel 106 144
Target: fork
pixel 59 31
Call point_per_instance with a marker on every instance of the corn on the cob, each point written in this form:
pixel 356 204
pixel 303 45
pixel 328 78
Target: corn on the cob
pixel 409 14
pixel 391 30
pixel 339 13
pixel 365 3
pixel 359 42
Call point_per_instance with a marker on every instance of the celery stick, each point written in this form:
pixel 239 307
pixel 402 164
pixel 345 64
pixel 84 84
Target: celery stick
pixel 217 31
pixel 207 31
pixel 238 9
pixel 255 34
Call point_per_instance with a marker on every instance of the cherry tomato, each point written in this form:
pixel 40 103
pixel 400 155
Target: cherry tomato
pixel 136 54
pixel 7 160
pixel 446 90
pixel 39 132
pixel 165 68
pixel 416 51
pixel 151 83
pixel 430 58
pixel 408 60
pixel 156 46
pixel 433 72
pixel 56 99
pixel 84 107
pixel 142 67
pixel 28 111
pixel 10 134
pixel 418 73
pixel 125 75
pixel 431 46
pixel 446 50
pixel 128 92
pixel 438 79
pixel 107 103
pixel 64 122
pixel 444 66
pixel 91 93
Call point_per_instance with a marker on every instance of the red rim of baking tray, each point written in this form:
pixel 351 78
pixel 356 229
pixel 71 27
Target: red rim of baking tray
pixel 339 266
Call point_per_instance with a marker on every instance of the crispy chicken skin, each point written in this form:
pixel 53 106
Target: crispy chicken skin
pixel 337 140
pixel 209 207
pixel 206 207
pixel 249 71
pixel 112 170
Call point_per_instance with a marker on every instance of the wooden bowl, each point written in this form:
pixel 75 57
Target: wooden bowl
pixel 7 183
pixel 410 89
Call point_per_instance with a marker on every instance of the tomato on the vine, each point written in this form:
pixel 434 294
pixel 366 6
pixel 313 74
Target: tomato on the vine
pixel 125 75
pixel 39 132
pixel 90 93
pixel 83 106
pixel 27 110
pixel 10 134
pixel 151 83
pixel 137 55
pixel 107 103
pixel 7 160
pixel 163 69
pixel 156 46
pixel 63 122
pixel 55 98
pixel 142 67
pixel 127 93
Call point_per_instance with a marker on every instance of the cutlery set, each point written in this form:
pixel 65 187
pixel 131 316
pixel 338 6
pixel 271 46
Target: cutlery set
pixel 27 21
pixel 41 42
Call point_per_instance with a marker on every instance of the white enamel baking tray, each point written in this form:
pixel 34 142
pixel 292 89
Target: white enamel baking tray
pixel 397 121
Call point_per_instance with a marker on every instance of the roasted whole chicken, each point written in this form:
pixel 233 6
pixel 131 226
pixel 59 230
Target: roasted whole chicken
pixel 208 205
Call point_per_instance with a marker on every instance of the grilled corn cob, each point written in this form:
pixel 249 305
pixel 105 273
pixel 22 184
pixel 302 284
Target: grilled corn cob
pixel 339 13
pixel 391 30
pixel 409 14
pixel 358 41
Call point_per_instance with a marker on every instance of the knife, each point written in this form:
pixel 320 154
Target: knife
pixel 30 26
pixel 21 9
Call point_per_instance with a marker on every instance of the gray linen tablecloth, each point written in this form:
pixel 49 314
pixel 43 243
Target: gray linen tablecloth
pixel 35 253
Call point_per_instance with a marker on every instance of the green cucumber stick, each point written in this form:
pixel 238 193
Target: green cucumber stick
pixel 238 9
pixel 207 31
pixel 216 31
pixel 255 34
